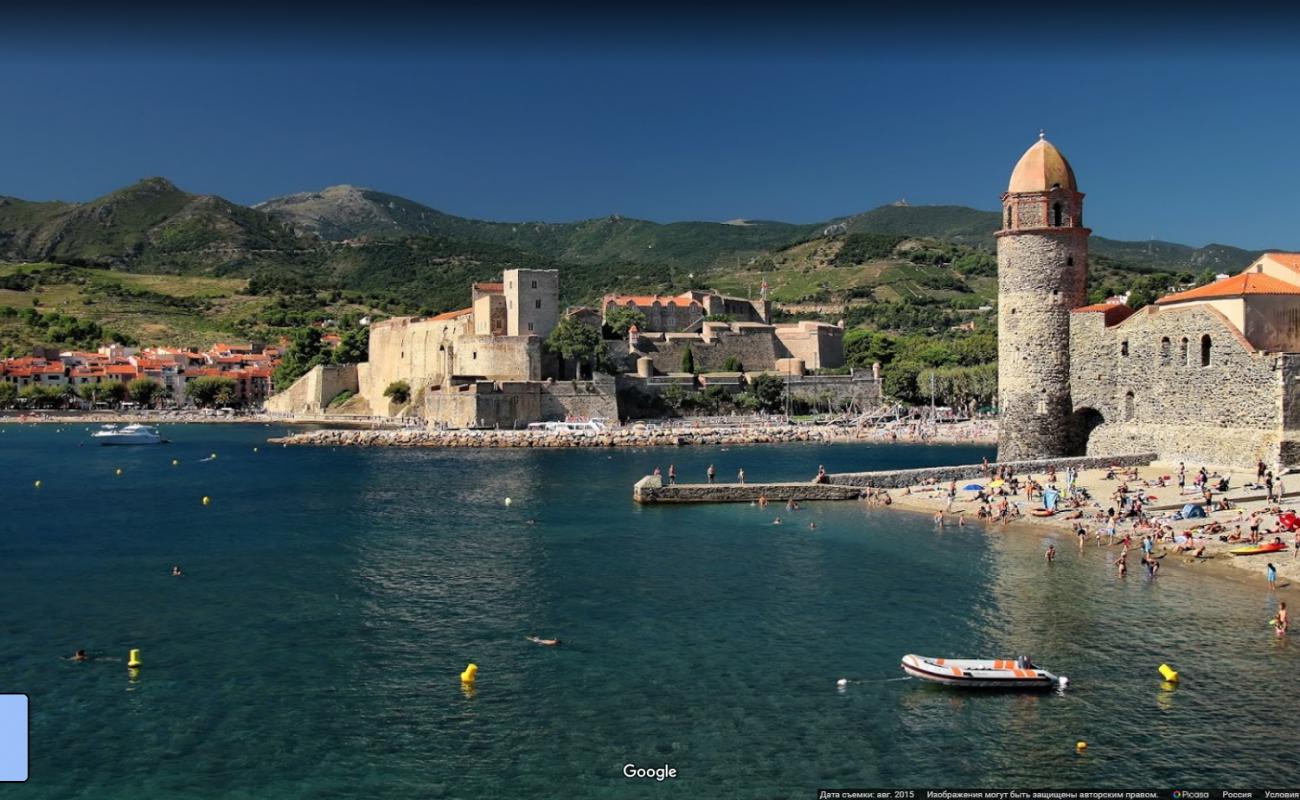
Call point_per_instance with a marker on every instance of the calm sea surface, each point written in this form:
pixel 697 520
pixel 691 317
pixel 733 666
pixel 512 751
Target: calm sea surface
pixel 332 597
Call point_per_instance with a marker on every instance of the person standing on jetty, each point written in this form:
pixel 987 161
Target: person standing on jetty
pixel 672 475
pixel 712 473
pixel 740 476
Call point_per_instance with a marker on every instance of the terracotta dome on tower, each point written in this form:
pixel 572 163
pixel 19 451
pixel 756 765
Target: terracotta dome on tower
pixel 1041 169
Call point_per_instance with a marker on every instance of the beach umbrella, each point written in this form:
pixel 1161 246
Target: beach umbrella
pixel 972 487
pixel 995 484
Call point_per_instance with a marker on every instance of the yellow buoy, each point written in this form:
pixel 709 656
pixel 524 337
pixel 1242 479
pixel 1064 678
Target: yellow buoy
pixel 1169 673
pixel 206 500
pixel 470 673
pixel 119 471
pixel 38 484
pixel 1080 745
pixel 133 661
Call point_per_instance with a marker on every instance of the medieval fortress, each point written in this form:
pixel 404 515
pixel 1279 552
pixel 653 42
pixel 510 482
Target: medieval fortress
pixel 1210 375
pixel 486 365
pixel 1207 376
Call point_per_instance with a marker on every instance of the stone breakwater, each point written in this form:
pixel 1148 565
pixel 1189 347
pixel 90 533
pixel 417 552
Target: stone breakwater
pixel 852 485
pixel 633 436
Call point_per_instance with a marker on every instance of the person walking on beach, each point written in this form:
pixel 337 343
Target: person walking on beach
pixel 1259 471
pixel 1268 486
pixel 712 473
pixel 1182 477
pixel 1272 577
pixel 672 475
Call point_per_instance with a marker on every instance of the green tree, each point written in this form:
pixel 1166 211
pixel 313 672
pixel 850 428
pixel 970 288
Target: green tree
pixel 899 381
pixel 144 391
pixel 398 391
pixel 8 395
pixel 38 396
pixel 862 348
pixel 212 390
pixel 354 348
pixel 732 364
pixel 688 360
pixel 767 391
pixel 574 339
pixel 304 352
pixel 621 318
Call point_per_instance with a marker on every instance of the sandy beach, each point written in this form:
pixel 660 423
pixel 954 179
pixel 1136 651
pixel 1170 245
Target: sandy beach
pixel 1167 500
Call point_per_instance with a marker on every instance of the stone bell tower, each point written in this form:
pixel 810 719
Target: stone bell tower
pixel 1042 276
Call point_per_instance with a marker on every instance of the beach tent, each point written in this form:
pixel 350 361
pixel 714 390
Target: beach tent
pixel 972 487
pixel 1049 499
pixel 1192 510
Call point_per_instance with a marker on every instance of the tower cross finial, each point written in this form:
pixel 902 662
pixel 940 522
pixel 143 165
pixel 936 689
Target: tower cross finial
pixel 1041 134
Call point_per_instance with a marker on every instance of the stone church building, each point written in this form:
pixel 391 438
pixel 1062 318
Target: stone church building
pixel 1208 376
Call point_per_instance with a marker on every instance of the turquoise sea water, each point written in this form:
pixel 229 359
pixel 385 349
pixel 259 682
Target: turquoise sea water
pixel 332 597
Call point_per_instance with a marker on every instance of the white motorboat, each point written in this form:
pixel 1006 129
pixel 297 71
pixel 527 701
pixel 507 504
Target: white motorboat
pixel 134 433
pixel 981 673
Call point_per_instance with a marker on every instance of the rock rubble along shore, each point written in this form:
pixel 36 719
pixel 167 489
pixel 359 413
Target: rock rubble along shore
pixel 634 436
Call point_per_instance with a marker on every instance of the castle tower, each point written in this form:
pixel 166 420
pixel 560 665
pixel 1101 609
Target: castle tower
pixel 1042 275
pixel 532 301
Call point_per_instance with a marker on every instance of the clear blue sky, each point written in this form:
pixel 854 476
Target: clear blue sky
pixel 1181 133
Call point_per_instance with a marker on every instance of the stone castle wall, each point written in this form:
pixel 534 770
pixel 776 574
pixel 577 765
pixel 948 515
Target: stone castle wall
pixel 425 352
pixel 313 392
pixel 509 404
pixel 1041 276
pixel 1145 379
pixel 755 347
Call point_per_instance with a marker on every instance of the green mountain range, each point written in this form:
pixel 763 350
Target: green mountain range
pixel 399 251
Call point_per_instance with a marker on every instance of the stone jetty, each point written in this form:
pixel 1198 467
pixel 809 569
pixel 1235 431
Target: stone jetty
pixel 852 485
pixel 627 436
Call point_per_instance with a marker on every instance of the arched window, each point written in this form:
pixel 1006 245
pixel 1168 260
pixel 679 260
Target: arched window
pixel 1184 359
pixel 1056 215
pixel 1128 406
pixel 1205 350
pixel 1164 349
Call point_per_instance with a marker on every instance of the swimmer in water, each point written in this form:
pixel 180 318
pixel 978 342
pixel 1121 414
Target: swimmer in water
pixel 176 572
pixel 812 526
pixel 1051 553
pixel 547 642
pixel 80 655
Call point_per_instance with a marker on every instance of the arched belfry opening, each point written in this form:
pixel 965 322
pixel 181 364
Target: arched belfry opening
pixel 1056 215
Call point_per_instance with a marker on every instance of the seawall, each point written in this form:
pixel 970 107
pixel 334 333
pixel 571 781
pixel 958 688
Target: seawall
pixel 850 485
pixel 630 436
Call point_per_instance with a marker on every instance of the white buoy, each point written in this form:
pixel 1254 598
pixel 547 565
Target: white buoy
pixel 508 501
pixel 842 682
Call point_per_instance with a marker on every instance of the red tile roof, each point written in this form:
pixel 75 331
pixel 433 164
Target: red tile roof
pixel 490 288
pixel 1236 286
pixel 648 300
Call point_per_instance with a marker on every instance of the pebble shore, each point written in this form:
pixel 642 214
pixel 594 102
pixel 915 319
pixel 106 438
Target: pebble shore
pixel 629 436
